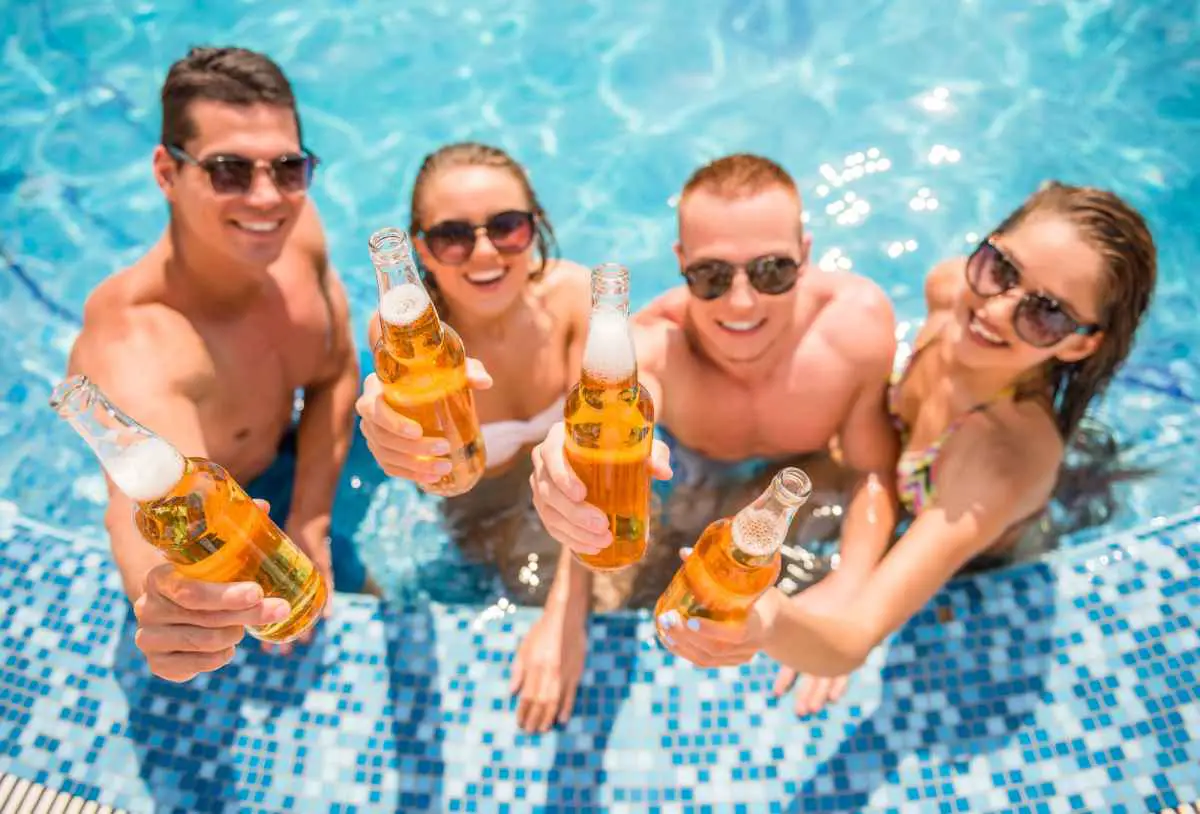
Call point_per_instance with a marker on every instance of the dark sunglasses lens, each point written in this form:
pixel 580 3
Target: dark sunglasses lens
pixel 230 176
pixel 510 232
pixel 1041 322
pixel 709 279
pixel 451 242
pixel 990 273
pixel 292 172
pixel 773 275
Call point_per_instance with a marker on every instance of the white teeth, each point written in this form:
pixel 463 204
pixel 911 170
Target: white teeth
pixel 259 226
pixel 741 326
pixel 482 277
pixel 976 327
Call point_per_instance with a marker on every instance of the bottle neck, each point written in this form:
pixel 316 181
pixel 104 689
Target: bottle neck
pixel 760 528
pixel 143 465
pixel 609 358
pixel 405 307
pixel 610 289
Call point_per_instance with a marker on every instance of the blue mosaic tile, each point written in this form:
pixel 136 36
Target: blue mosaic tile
pixel 1021 703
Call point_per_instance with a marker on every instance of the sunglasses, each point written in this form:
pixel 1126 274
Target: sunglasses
pixel 1038 319
pixel 771 274
pixel 453 241
pixel 234 174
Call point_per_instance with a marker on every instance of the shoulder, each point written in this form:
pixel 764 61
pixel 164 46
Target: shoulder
pixel 857 320
pixel 1012 452
pixel 668 307
pixel 943 282
pixel 129 338
pixel 567 282
pixel 308 235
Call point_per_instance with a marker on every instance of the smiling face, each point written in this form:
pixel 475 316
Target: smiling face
pixel 1048 256
pixel 743 323
pixel 247 230
pixel 486 282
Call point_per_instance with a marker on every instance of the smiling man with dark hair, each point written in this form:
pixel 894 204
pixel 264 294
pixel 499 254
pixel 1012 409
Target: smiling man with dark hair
pixel 208 337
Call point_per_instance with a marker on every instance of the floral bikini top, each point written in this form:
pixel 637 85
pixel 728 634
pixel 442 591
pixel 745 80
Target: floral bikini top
pixel 914 470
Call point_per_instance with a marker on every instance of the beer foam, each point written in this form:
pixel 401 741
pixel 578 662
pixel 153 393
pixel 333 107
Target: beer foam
pixel 403 304
pixel 609 351
pixel 147 470
pixel 756 532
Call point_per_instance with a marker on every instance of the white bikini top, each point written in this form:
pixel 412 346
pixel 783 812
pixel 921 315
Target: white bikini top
pixel 504 439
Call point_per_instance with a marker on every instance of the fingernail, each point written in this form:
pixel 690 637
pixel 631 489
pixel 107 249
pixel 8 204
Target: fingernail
pixel 409 431
pixel 669 619
pixel 686 551
pixel 598 523
pixel 442 467
pixel 278 611
pixel 693 624
pixel 441 448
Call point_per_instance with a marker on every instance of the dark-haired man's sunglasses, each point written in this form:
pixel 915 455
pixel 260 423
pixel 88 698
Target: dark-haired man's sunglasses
pixel 452 241
pixel 1038 319
pixel 234 174
pixel 771 274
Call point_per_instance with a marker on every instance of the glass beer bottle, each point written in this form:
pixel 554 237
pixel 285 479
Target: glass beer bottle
pixel 422 365
pixel 609 421
pixel 193 511
pixel 736 559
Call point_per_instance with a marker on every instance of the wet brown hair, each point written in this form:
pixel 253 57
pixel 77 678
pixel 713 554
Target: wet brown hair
pixel 1120 235
pixel 235 76
pixel 473 154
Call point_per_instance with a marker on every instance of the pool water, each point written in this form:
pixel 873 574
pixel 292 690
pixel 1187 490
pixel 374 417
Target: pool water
pixel 911 132
pixel 912 126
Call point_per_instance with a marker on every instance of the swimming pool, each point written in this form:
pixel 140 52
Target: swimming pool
pixel 911 126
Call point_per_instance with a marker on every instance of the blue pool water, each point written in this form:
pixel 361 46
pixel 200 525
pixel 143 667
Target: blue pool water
pixel 611 104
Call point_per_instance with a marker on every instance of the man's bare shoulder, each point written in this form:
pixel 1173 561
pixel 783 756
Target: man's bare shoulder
pixel 858 320
pixel 668 307
pixel 659 339
pixel 128 329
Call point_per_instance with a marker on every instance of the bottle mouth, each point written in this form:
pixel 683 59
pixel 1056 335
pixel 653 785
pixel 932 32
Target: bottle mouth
pixel 792 485
pixel 390 245
pixel 72 396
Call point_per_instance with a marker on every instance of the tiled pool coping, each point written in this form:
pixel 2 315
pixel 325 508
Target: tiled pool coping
pixel 1064 685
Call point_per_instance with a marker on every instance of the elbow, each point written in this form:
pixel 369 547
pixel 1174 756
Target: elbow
pixel 846 658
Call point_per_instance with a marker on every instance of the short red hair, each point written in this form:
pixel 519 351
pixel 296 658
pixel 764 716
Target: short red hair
pixel 738 176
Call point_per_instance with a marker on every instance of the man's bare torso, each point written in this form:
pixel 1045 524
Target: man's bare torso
pixel 237 369
pixel 796 409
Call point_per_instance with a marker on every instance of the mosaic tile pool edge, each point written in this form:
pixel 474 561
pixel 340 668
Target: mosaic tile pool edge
pixel 1063 685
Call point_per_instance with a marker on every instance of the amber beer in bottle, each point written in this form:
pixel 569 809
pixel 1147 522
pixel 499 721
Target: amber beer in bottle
pixel 192 511
pixel 736 558
pixel 609 421
pixel 422 365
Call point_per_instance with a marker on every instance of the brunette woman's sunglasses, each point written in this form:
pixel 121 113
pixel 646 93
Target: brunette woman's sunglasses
pixel 1038 319
pixel 234 174
pixel 771 274
pixel 453 241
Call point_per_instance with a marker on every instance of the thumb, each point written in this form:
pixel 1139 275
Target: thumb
pixel 477 374
pixel 660 461
pixel 263 504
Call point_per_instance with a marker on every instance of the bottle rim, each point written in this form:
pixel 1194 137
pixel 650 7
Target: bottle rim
pixel 792 486
pixel 72 396
pixel 390 244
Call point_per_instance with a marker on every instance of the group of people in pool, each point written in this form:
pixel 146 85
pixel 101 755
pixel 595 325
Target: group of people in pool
pixel 757 354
